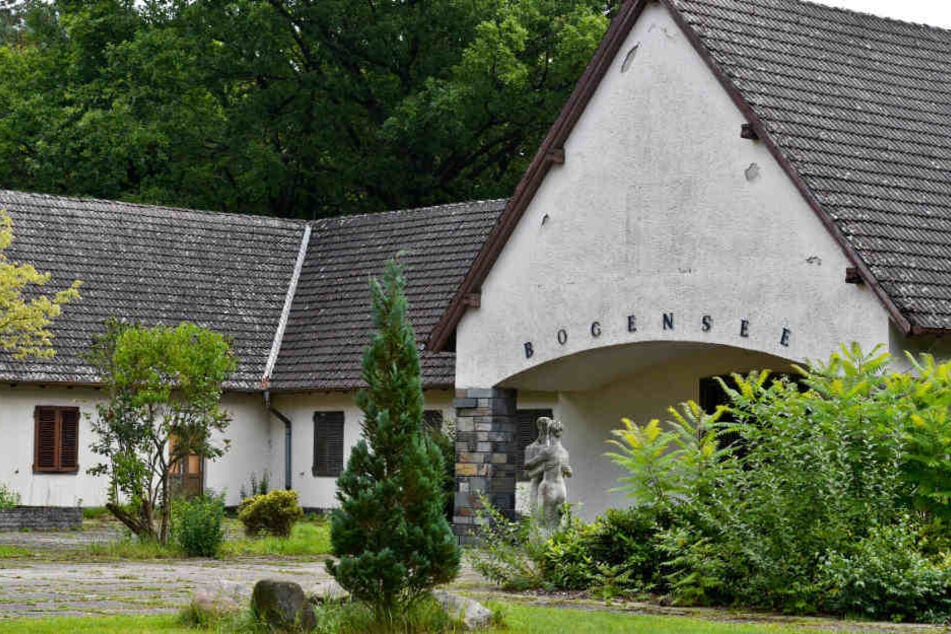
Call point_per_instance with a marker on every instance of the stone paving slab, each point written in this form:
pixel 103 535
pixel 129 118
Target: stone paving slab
pixel 57 588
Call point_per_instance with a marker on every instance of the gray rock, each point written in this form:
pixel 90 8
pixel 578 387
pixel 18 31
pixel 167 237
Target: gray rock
pixel 472 614
pixel 220 597
pixel 327 591
pixel 282 605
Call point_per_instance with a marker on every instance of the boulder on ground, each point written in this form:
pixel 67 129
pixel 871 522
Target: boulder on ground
pixel 220 597
pixel 472 614
pixel 282 605
pixel 327 591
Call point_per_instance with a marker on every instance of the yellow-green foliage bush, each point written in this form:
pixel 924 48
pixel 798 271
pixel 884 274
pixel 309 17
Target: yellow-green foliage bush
pixel 273 513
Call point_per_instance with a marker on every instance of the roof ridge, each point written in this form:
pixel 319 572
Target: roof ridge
pixel 855 12
pixel 148 207
pixel 408 210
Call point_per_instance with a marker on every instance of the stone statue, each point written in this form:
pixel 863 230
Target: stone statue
pixel 532 452
pixel 546 463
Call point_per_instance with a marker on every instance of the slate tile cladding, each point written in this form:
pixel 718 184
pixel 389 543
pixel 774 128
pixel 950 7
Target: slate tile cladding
pixel 330 321
pixel 155 265
pixel 861 107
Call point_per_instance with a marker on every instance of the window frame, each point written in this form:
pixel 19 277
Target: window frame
pixel 59 440
pixel 328 468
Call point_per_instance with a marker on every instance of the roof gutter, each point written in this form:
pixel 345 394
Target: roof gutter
pixel 286 312
pixel 276 350
pixel 288 438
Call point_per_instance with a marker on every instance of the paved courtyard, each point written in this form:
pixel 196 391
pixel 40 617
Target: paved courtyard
pixel 42 586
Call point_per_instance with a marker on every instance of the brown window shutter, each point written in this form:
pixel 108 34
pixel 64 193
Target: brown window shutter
pixel 328 444
pixel 69 440
pixel 45 453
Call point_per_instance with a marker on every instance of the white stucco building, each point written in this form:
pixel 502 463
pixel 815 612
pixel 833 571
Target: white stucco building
pixel 733 185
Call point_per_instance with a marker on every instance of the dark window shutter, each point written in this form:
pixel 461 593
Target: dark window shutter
pixel 69 439
pixel 328 444
pixel 432 419
pixel 525 434
pixel 45 442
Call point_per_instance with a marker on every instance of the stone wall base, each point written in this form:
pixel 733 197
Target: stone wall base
pixel 41 518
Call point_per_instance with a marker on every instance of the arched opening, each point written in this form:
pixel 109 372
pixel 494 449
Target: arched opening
pixel 592 390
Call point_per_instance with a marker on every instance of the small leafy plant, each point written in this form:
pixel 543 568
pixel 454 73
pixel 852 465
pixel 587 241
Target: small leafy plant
pixel 8 497
pixel 257 487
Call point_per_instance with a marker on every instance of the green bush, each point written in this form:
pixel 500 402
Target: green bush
pixel 196 525
pixel 508 552
pixel 786 522
pixel 885 576
pixel 8 497
pixel 626 548
pixel 274 513
pixel 518 555
pixel 565 563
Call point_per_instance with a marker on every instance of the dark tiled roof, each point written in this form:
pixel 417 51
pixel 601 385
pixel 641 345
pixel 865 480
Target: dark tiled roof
pixel 153 264
pixel 861 108
pixel 330 322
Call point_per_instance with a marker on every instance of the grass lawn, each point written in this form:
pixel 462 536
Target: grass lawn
pixel 519 619
pixel 309 537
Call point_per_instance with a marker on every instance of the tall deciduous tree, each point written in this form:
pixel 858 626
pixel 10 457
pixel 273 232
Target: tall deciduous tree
pixel 164 386
pixel 25 315
pixel 286 107
pixel 390 535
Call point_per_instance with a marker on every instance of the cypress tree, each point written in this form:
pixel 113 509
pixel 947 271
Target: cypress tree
pixel 390 535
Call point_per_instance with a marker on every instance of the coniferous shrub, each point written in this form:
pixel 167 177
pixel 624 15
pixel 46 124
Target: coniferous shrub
pixel 390 535
pixel 274 513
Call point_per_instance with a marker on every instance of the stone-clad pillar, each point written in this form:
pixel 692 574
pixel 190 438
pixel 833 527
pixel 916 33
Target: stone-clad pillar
pixel 485 450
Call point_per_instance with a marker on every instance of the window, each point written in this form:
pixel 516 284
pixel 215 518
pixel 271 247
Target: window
pixel 56 440
pixel 432 419
pixel 328 444
pixel 525 434
pixel 712 395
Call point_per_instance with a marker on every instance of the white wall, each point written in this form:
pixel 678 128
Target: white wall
pixel 249 434
pixel 660 208
pixel 318 492
pixel 251 448
pixel 16 449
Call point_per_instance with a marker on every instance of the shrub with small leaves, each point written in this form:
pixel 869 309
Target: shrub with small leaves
pixel 886 576
pixel 197 525
pixel 274 513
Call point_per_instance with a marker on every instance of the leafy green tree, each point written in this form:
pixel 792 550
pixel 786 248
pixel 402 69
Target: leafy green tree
pixel 25 316
pixel 285 107
pixel 391 538
pixel 164 386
